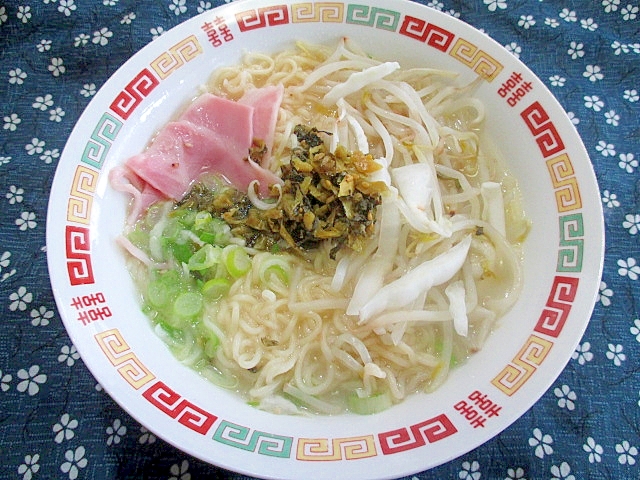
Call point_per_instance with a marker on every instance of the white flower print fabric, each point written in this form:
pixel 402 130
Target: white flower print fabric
pixel 57 422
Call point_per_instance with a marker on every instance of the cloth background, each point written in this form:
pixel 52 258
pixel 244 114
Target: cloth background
pixel 55 420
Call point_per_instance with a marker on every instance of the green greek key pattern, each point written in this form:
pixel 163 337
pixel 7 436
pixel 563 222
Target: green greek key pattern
pixel 571 243
pixel 245 438
pixel 373 17
pixel 101 140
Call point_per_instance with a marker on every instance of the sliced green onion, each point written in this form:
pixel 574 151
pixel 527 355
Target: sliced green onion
pixel 211 229
pixel 149 310
pixel 154 214
pixel 454 360
pixel 185 216
pixel 236 260
pixel 216 288
pixel 158 294
pixel 208 237
pixel 215 376
pixel 211 345
pixel 163 288
pixel 202 219
pixel 168 333
pixel 180 251
pixel 275 248
pixel 274 269
pixel 139 237
pixel 188 304
pixel 439 350
pixel 172 229
pixel 157 243
pixel 205 257
pixel 366 405
pixel 179 340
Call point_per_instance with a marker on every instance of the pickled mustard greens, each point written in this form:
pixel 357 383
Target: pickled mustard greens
pixel 325 196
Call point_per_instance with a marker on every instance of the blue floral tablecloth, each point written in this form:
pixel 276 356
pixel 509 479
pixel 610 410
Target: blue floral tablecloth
pixel 55 420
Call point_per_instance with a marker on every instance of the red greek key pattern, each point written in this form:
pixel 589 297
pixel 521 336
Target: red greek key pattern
pixel 545 133
pixel 78 253
pixel 478 60
pixel 179 408
pixel 262 17
pixel 418 435
pixel 119 354
pixel 85 181
pixel 558 306
pixel 317 12
pixel 136 90
pixel 177 56
pixel 423 31
pixel 322 449
pixel 564 183
pixel 525 363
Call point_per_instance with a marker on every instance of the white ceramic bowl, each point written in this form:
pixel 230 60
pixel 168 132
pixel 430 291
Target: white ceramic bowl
pixel 97 300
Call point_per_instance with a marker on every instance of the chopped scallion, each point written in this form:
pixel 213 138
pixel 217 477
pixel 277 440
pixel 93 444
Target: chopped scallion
pixel 181 251
pixel 188 304
pixel 163 288
pixel 205 257
pixel 211 345
pixel 236 260
pixel 274 269
pixel 366 405
pixel 215 288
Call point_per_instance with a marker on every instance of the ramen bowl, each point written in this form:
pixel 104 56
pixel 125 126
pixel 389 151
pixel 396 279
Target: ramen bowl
pixel 525 353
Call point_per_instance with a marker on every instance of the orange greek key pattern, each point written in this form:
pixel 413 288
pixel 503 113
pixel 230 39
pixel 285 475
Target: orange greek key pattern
pixel 525 363
pixel 564 183
pixel 83 187
pixel 317 12
pixel 478 60
pixel 178 55
pixel 323 449
pixel 120 356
